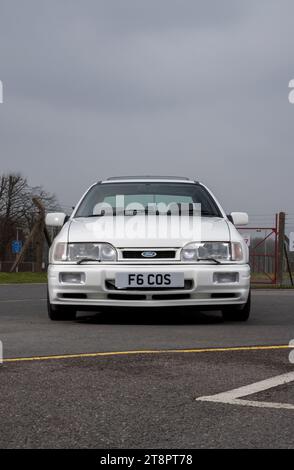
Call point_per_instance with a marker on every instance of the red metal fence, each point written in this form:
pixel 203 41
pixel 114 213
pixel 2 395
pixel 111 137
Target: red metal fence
pixel 263 252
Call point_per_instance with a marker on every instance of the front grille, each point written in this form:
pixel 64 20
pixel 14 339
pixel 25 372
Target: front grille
pixel 72 296
pixel 110 285
pixel 126 297
pixel 222 295
pixel 171 297
pixel 144 297
pixel 160 254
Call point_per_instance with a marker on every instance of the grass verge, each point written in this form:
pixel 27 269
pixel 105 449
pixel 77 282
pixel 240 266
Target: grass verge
pixel 22 278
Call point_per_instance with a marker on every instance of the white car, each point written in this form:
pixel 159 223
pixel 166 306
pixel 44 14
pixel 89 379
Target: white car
pixel 148 242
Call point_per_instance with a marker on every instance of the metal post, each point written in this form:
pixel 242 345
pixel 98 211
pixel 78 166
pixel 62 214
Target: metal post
pixel 288 264
pixel 16 270
pixel 265 251
pixel 275 267
pixel 281 238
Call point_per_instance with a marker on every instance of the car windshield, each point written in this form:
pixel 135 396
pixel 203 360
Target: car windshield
pixel 140 196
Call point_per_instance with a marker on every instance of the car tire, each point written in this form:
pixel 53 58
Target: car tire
pixel 238 313
pixel 60 312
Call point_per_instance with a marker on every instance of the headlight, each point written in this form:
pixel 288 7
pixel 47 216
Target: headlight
pixel 107 252
pixel 59 253
pixel 78 251
pixel 221 251
pixel 190 252
pixel 237 252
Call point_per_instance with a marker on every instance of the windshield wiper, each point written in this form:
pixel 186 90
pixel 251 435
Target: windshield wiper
pixel 208 214
pixel 148 211
pixel 197 212
pixel 216 261
pixel 84 260
pixel 103 213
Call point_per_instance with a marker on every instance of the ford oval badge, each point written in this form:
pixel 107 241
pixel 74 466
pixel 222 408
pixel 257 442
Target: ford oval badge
pixel 149 254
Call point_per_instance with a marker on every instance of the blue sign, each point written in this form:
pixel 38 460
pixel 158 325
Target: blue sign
pixel 16 246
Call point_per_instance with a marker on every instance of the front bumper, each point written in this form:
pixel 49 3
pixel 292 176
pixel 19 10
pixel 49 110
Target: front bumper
pixel 98 288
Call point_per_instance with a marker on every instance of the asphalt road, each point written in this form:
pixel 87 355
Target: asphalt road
pixel 142 400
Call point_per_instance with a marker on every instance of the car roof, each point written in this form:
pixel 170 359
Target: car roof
pixel 171 179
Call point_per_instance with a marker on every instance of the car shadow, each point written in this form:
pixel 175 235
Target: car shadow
pixel 150 316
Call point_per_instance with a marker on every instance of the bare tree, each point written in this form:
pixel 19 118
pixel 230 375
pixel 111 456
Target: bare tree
pixel 17 210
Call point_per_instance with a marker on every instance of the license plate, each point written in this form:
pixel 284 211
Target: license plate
pixel 155 280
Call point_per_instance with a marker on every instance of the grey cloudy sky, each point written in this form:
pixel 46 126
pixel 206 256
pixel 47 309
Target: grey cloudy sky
pixel 182 87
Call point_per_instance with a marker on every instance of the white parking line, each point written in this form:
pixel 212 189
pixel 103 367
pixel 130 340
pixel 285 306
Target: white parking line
pixel 232 397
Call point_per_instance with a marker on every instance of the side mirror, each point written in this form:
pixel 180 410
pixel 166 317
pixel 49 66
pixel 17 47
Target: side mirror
pixel 239 218
pixel 55 219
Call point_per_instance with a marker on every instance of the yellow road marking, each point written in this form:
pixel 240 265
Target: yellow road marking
pixel 148 351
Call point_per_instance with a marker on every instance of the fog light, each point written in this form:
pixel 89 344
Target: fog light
pixel 72 278
pixel 223 278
